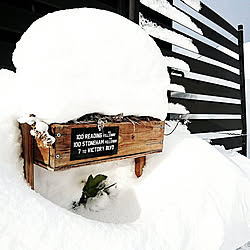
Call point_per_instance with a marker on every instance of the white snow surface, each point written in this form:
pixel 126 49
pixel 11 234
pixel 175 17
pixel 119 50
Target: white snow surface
pixel 177 63
pixel 177 108
pixel 99 58
pixel 166 9
pixel 190 197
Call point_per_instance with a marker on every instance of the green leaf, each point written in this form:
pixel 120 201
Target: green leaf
pixel 93 186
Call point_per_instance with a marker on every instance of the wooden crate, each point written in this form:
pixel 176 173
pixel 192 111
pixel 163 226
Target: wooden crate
pixel 83 144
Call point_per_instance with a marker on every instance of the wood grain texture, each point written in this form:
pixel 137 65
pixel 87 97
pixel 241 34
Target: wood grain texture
pixel 135 140
pixel 139 164
pixel 27 144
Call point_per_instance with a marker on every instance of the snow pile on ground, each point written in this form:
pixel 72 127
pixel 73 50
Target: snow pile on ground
pixel 99 58
pixel 190 197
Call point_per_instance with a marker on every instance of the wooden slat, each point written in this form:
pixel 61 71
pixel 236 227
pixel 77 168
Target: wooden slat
pixel 213 125
pixel 27 143
pixel 212 34
pixel 204 49
pixel 139 164
pixel 214 17
pixel 6 50
pixel 228 142
pixel 14 19
pixel 199 67
pixel 207 107
pixel 205 88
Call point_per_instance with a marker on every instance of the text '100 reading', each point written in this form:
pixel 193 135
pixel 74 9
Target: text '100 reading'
pixel 90 142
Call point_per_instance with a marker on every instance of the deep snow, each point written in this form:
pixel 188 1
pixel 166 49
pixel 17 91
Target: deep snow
pixel 192 196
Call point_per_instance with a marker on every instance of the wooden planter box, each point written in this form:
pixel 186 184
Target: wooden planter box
pixel 83 144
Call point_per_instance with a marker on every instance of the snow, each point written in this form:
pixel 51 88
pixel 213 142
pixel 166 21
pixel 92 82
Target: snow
pixel 191 196
pixel 166 9
pixel 176 88
pixel 195 4
pixel 167 35
pixel 39 129
pixel 177 63
pixel 177 204
pixel 247 78
pixel 54 60
pixel 177 108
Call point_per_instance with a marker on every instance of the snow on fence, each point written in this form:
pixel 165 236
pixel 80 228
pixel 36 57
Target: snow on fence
pixel 215 85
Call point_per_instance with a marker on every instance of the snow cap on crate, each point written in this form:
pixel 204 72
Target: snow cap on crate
pixel 86 60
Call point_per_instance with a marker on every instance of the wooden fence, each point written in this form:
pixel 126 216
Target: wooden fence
pixel 216 104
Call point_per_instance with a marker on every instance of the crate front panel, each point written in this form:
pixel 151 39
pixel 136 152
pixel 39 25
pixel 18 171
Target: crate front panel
pixel 133 139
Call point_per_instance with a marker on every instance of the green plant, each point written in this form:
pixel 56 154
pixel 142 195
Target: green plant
pixel 93 187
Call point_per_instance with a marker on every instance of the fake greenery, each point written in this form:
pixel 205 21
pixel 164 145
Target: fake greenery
pixel 93 187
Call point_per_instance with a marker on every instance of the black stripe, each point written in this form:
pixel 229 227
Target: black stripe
pixel 100 5
pixel 208 107
pixel 215 54
pixel 23 4
pixel 211 15
pixel 197 66
pixel 9 36
pixel 14 19
pixel 205 88
pixel 204 49
pixel 62 4
pixel 43 9
pixel 228 142
pixel 67 4
pixel 6 50
pixel 212 34
pixel 212 125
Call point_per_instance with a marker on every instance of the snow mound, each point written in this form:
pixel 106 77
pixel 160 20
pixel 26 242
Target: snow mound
pixel 190 197
pixel 106 62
